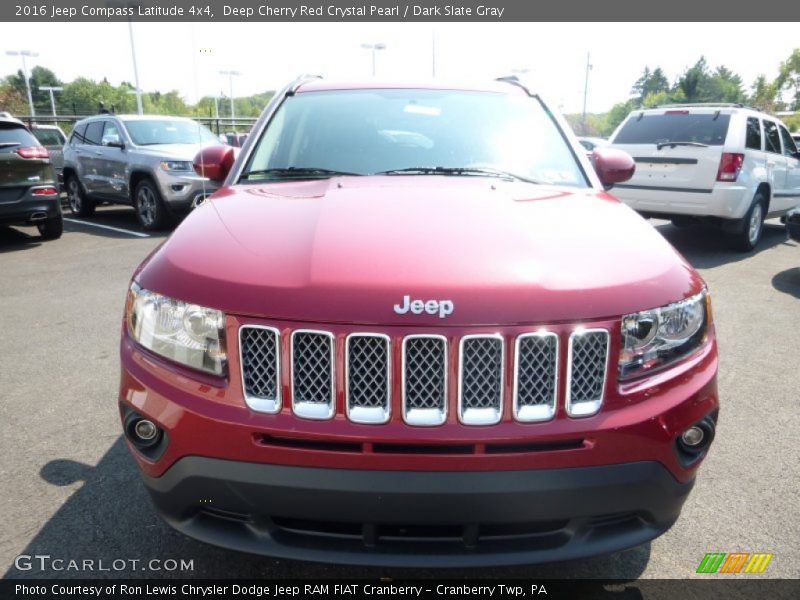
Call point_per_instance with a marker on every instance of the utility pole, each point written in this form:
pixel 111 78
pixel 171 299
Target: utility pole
pixel 586 89
pixel 23 54
pixel 51 89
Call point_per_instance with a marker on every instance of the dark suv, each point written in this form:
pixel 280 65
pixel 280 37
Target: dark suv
pixel 28 190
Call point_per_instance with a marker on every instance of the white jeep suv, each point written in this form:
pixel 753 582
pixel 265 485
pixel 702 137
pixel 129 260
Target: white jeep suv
pixel 720 163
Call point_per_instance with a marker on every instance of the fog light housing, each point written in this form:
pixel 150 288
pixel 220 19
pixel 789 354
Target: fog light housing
pixel 693 441
pixel 145 430
pixel 693 436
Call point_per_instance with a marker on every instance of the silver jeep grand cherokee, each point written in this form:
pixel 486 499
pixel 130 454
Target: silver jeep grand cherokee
pixel 145 161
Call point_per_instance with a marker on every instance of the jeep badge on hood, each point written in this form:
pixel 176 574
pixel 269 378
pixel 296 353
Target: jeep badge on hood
pixel 443 307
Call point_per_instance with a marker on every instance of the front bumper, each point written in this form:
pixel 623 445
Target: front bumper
pixel 395 494
pixel 418 519
pixel 183 191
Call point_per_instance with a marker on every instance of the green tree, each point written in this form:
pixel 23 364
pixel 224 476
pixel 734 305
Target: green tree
pixel 764 95
pixel 789 79
pixel 691 82
pixel 39 76
pixel 12 100
pixel 722 85
pixel 651 82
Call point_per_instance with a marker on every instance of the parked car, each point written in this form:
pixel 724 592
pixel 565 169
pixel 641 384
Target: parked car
pixel 234 139
pixel 52 138
pixel 590 143
pixel 145 161
pixel 796 138
pixel 28 192
pixel 413 329
pixel 724 164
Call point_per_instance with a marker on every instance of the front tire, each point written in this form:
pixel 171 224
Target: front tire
pixel 681 222
pixel 752 225
pixel 79 204
pixel 150 209
pixel 51 229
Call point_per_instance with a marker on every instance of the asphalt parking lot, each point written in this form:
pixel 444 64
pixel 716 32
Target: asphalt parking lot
pixel 71 490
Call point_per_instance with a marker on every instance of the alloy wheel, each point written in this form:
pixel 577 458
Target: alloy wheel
pixel 146 206
pixel 754 227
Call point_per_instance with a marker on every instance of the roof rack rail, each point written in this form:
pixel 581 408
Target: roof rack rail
pixel 300 80
pixel 514 80
pixel 708 105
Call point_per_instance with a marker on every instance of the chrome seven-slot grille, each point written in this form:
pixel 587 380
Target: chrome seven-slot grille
pixel 425 375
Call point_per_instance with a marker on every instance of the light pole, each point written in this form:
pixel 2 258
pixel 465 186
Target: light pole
pixel 51 89
pixel 138 93
pixel 23 54
pixel 586 89
pixel 374 48
pixel 433 54
pixel 138 90
pixel 230 75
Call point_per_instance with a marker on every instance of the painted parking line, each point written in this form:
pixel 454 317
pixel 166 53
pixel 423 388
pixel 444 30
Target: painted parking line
pixel 128 231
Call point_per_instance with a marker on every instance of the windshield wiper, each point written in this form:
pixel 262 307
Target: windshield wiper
pixel 661 145
pixel 469 171
pixel 298 172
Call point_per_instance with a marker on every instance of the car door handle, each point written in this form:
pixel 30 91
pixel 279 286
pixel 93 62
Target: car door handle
pixel 98 153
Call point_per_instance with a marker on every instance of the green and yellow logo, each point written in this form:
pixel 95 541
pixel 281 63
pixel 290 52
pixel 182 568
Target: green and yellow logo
pixel 736 562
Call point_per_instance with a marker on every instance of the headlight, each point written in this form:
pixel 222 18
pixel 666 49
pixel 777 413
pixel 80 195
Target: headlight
pixel 653 339
pixel 186 333
pixel 176 165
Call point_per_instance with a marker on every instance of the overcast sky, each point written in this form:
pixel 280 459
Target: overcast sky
pixel 188 57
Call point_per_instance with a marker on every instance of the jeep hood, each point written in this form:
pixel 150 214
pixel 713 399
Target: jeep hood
pixel 349 249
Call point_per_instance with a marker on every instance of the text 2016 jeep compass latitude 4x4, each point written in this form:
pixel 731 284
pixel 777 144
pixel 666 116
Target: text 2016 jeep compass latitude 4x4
pixel 412 329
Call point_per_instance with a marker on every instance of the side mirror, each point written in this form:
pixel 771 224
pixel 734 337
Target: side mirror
pixel 612 166
pixel 214 162
pixel 113 141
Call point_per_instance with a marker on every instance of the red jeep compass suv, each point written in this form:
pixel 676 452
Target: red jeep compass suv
pixel 413 329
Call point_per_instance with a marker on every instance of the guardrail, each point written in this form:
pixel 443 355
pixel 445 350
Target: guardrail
pixel 217 125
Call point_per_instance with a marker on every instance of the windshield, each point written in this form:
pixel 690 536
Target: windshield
pixel 163 131
pixel 422 131
pixel 49 137
pixel 675 126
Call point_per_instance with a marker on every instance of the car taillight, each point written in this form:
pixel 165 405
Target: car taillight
pixel 729 166
pixel 44 191
pixel 33 152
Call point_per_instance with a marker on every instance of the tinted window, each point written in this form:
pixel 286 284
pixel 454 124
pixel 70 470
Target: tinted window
pixel 789 148
pixel 370 131
pixel 163 131
pixel 14 136
pixel 677 126
pixel 78 134
pixel 753 134
pixel 772 140
pixel 49 137
pixel 94 132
